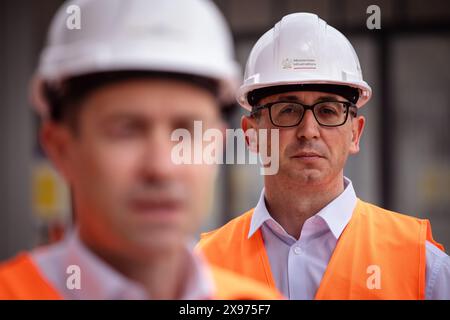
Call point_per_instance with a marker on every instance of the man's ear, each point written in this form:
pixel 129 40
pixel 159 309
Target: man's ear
pixel 357 129
pixel 56 140
pixel 249 127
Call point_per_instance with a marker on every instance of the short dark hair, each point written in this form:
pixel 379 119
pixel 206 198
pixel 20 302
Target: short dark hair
pixel 65 99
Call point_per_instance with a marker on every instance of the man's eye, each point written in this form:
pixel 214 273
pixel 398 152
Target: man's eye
pixel 328 111
pixel 287 110
pixel 125 130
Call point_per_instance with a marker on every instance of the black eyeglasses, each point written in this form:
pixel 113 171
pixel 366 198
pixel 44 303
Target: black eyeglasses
pixel 290 113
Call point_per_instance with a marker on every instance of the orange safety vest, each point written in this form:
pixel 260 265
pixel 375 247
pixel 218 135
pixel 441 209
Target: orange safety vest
pixel 20 279
pixel 392 242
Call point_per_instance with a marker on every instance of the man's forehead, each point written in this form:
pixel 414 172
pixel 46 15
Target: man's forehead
pixel 157 112
pixel 152 97
pixel 302 96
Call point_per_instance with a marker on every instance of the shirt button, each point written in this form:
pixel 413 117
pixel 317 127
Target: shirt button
pixel 297 250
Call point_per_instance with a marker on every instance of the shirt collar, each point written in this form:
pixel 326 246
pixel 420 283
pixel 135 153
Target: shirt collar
pixel 200 282
pixel 336 214
pixel 98 279
pixel 113 285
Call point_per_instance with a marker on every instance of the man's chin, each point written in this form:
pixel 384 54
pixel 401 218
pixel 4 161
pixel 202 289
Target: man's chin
pixel 308 176
pixel 158 242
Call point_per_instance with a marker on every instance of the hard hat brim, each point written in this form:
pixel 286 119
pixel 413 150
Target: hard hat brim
pixel 243 91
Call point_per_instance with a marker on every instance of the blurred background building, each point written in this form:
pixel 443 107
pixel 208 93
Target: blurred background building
pixel 404 162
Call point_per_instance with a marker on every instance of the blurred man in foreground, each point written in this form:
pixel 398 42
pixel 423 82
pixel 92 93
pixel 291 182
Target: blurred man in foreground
pixel 111 91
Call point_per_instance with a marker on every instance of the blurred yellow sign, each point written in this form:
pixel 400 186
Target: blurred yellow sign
pixel 50 193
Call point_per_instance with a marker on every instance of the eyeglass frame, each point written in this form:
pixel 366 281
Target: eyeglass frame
pixel 306 107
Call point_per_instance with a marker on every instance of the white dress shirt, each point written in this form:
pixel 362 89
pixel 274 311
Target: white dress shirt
pixel 298 264
pixel 99 281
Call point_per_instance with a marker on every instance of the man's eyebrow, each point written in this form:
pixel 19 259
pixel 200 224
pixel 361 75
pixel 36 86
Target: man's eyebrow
pixel 125 117
pixel 289 98
pixel 320 99
pixel 329 98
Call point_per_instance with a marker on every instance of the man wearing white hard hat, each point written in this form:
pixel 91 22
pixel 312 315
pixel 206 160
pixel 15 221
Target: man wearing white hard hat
pixel 309 235
pixel 110 94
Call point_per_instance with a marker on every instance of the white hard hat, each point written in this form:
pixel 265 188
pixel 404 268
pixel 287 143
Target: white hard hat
pixel 302 49
pixel 180 36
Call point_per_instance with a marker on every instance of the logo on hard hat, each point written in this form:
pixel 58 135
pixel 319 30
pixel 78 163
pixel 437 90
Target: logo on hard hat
pixel 298 64
pixel 286 63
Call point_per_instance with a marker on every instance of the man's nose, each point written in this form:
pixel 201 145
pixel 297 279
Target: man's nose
pixel 308 127
pixel 157 159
